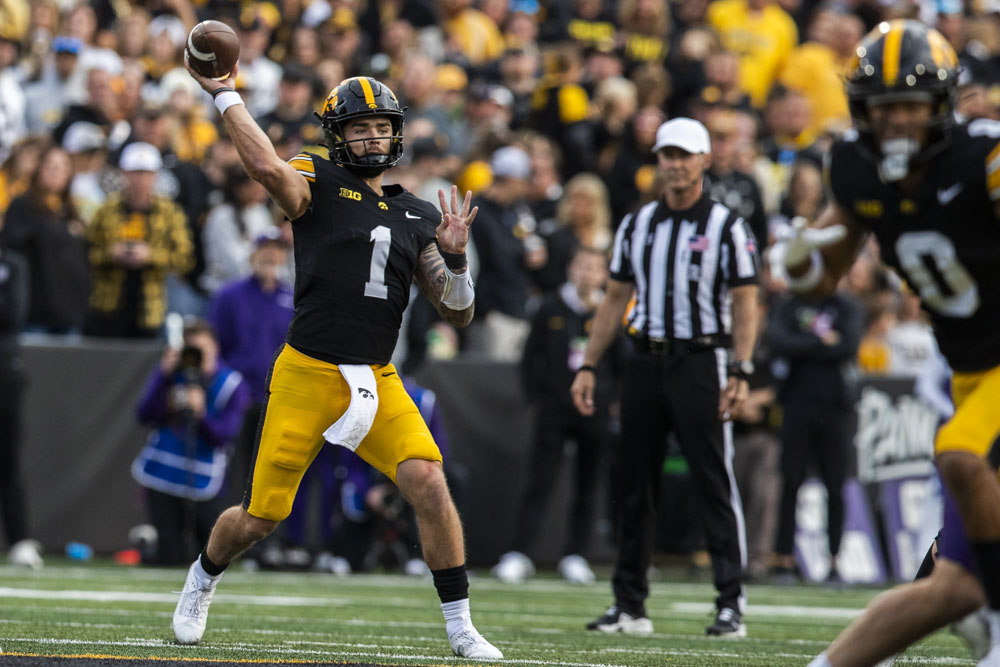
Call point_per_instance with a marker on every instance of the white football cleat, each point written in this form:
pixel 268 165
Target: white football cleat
pixel 992 658
pixel 615 620
pixel 575 569
pixel 974 630
pixel 468 643
pixel 191 614
pixel 513 568
pixel 26 553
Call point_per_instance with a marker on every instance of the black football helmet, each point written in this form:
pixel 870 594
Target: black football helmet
pixel 355 98
pixel 904 60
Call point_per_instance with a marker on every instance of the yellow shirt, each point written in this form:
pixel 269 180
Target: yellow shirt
pixel 814 70
pixel 873 355
pixel 761 39
pixel 476 35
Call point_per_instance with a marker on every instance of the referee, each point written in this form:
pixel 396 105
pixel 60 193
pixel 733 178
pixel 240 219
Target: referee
pixel 688 258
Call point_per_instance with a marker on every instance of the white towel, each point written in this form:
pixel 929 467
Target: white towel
pixel 353 425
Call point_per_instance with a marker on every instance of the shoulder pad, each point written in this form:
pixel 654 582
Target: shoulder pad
pixel 303 163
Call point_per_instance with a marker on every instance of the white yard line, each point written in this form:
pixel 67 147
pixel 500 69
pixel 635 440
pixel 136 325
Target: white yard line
pixel 694 608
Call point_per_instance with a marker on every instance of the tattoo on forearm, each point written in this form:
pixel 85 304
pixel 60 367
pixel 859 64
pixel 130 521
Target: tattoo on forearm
pixel 430 278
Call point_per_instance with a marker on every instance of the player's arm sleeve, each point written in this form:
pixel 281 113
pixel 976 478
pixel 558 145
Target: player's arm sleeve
pixel 434 280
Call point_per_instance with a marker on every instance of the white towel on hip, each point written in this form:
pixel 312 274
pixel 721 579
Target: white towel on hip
pixel 353 425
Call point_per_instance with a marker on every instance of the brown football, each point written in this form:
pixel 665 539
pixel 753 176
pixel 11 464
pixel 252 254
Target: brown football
pixel 212 49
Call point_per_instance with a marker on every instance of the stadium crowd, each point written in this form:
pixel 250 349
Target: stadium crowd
pixel 122 192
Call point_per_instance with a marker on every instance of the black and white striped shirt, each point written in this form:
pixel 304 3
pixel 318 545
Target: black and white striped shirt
pixel 683 264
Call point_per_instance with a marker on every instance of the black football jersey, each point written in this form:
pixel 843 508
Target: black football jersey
pixel 355 257
pixel 943 239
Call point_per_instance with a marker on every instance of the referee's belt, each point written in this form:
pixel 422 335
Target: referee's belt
pixel 664 347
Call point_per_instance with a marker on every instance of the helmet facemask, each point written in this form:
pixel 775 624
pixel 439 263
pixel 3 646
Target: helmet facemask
pixel 362 98
pixel 924 69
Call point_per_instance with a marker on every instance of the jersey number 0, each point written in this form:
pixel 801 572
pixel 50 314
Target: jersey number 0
pixel 962 299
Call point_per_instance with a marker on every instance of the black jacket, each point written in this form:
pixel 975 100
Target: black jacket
pixel 554 351
pixel 60 268
pixel 812 371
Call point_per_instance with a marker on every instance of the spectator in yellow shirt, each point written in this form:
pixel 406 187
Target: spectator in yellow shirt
pixel 762 34
pixel 816 68
pixel 471 31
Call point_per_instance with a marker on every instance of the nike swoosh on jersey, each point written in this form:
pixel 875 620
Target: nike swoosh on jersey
pixel 411 216
pixel 945 195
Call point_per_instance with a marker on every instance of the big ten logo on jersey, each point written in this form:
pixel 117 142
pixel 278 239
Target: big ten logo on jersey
pixel 868 208
pixel 350 194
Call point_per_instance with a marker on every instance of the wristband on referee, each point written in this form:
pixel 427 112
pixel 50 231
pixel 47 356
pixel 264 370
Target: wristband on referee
pixel 588 368
pixel 225 98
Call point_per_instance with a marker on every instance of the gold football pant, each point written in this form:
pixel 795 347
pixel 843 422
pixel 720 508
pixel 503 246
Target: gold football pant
pixel 975 425
pixel 305 397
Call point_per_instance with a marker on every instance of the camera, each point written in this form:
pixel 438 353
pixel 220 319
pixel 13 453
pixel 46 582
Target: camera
pixel 189 367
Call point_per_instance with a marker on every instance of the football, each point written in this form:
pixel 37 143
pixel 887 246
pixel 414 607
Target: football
pixel 212 49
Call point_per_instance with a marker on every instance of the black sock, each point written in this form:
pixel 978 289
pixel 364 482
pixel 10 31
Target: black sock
pixel 451 583
pixel 987 555
pixel 210 567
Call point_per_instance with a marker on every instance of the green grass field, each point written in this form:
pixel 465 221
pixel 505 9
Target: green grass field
pixel 103 609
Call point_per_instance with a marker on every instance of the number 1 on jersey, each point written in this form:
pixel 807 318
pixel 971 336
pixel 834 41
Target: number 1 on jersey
pixel 376 287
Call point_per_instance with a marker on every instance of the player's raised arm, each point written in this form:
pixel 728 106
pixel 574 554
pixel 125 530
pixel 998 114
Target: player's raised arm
pixel 813 258
pixel 287 187
pixel 443 271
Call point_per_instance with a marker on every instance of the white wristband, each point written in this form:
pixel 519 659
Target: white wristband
pixel 459 293
pixel 811 278
pixel 227 99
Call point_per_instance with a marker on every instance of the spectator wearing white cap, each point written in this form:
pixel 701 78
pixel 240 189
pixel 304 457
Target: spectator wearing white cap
pixel 508 249
pixel 87 147
pixel 136 239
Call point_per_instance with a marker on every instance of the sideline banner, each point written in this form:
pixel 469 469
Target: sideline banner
pixel 895 431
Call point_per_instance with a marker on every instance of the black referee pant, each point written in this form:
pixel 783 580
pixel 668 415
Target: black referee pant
pixel 678 393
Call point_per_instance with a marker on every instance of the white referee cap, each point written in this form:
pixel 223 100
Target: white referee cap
pixel 684 133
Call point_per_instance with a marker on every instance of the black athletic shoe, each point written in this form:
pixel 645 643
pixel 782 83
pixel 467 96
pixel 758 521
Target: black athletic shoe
pixel 615 620
pixel 728 623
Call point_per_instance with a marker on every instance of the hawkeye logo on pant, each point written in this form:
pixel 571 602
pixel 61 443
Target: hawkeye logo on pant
pixel 365 393
pixel 350 194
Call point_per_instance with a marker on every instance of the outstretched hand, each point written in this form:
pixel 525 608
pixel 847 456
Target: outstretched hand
pixel 453 232
pixel 211 85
